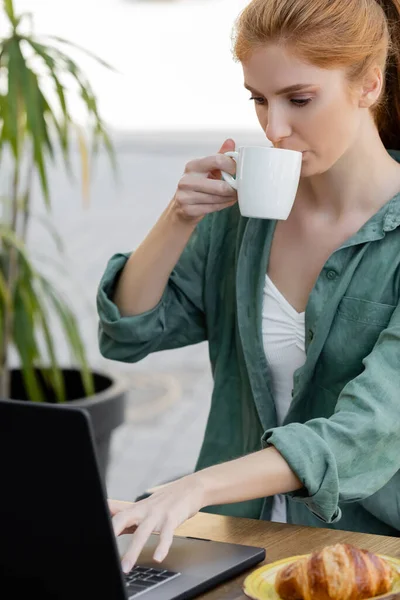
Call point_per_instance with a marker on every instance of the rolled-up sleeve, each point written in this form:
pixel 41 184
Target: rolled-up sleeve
pixel 356 452
pixel 178 320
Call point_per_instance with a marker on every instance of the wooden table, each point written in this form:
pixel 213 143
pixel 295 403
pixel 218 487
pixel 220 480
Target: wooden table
pixel 279 541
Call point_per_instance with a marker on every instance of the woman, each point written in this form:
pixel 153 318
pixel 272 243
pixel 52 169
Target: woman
pixel 302 316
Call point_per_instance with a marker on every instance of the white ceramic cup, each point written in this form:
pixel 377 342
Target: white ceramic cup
pixel 266 181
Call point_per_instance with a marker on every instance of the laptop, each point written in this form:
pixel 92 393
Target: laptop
pixel 56 536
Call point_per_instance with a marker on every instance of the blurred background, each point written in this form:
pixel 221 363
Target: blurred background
pixel 176 95
pixel 173 56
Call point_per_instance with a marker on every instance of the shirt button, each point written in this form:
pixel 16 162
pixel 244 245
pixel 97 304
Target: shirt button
pixel 331 275
pixel 310 335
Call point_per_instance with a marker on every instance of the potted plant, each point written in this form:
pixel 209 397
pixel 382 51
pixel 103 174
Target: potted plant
pixel 34 132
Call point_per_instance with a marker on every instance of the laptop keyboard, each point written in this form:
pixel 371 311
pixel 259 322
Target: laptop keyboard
pixel 143 579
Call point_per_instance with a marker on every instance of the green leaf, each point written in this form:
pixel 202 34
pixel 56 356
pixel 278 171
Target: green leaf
pixel 85 88
pixel 9 10
pixel 87 95
pixel 11 239
pixel 32 384
pixel 4 291
pixel 34 116
pixel 102 134
pixel 25 342
pixel 36 108
pixel 4 42
pixel 83 50
pixel 5 134
pixel 25 97
pixel 53 374
pixel 13 97
pixel 41 168
pixel 24 321
pixel 85 168
pixel 71 330
pixel 32 316
pixel 52 66
pixel 52 231
pixel 1 320
pixel 47 113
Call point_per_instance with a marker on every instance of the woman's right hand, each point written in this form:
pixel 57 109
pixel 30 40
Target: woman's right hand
pixel 201 190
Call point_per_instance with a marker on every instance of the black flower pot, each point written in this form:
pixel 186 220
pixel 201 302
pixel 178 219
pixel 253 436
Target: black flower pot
pixel 106 407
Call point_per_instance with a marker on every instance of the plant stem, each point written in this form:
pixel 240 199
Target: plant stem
pixel 11 275
pixel 26 203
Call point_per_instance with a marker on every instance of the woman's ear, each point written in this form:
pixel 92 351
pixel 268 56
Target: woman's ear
pixel 371 88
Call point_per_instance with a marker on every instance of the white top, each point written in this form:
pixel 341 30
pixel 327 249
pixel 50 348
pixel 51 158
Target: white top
pixel 283 330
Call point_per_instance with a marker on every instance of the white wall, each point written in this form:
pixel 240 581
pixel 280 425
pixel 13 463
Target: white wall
pixel 174 58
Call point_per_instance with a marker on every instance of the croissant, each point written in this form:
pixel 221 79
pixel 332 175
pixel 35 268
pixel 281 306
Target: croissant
pixel 340 572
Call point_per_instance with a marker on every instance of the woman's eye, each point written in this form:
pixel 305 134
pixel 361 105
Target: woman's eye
pixel 300 101
pixel 257 100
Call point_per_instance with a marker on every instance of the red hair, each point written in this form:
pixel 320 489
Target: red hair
pixel 350 34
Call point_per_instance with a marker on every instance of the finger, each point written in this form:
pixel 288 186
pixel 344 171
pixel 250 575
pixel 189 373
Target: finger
pixel 218 162
pixel 199 210
pixel 186 202
pixel 139 539
pixel 228 146
pixel 166 537
pixel 126 520
pixel 115 506
pixel 194 183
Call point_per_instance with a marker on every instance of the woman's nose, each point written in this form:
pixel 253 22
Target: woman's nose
pixel 277 128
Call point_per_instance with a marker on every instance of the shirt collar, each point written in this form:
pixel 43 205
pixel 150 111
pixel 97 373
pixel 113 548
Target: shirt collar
pixel 391 217
pixel 386 219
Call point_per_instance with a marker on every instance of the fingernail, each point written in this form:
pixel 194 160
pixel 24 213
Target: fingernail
pixel 126 566
pixel 158 556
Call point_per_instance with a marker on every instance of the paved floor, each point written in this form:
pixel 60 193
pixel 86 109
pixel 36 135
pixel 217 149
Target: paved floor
pixel 169 392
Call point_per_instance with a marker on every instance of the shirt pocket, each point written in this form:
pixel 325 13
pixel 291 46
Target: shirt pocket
pixel 365 312
pixel 355 330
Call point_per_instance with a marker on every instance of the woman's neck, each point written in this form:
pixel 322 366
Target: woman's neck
pixel 362 180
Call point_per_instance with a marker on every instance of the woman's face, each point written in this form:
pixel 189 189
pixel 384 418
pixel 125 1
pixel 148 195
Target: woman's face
pixel 318 116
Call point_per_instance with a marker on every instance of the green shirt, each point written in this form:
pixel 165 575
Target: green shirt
pixel 341 435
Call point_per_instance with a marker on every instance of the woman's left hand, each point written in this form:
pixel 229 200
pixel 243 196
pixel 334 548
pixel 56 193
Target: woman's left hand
pixel 162 512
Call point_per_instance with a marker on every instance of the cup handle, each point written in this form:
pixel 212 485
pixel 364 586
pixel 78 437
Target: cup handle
pixel 226 176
